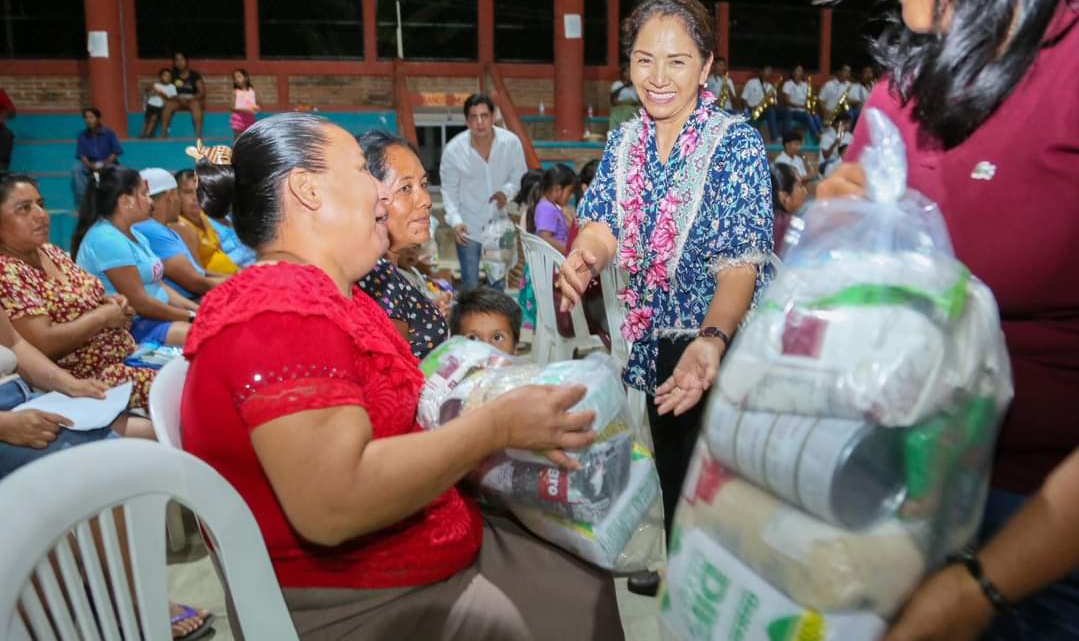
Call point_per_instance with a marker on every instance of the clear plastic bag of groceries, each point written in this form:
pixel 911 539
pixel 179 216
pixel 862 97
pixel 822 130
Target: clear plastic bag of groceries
pixel 499 254
pixel 847 446
pixel 607 512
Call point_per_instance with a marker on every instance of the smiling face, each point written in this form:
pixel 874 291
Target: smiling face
pixel 410 206
pixel 351 213
pixel 24 223
pixel 667 69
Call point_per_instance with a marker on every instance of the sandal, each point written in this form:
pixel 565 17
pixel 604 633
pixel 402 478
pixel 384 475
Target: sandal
pixel 188 613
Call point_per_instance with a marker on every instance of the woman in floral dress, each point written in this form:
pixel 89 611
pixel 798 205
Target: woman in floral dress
pixel 682 201
pixel 56 305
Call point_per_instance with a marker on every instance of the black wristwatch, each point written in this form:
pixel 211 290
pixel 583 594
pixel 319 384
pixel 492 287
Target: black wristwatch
pixel 992 594
pixel 715 332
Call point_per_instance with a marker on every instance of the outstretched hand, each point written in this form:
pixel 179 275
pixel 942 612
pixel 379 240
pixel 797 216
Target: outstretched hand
pixel 692 377
pixel 574 275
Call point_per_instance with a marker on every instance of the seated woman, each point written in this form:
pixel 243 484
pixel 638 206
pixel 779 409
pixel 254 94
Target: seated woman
pixel 195 228
pixel 28 435
pixel 215 203
pixel 120 257
pixel 59 308
pixel 393 163
pixel 788 195
pixel 379 544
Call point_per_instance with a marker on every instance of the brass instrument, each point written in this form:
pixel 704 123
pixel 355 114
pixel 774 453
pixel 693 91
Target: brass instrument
pixel 725 92
pixel 811 98
pixel 770 100
pixel 841 106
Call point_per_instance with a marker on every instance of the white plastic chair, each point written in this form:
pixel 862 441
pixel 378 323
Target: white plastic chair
pixel 548 345
pixel 166 394
pixel 61 494
pixel 612 280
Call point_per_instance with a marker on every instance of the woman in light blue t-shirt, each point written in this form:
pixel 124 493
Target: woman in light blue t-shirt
pixel 105 245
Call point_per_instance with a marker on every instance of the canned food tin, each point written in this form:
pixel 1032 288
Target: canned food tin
pixel 845 472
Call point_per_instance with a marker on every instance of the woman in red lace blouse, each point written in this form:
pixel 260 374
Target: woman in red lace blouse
pixel 303 395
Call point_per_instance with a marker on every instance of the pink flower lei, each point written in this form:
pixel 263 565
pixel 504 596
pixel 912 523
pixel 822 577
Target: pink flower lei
pixel 633 253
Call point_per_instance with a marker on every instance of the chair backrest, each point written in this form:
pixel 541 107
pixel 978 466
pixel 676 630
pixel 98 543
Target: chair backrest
pixel 612 280
pixel 53 512
pixel 166 396
pixel 543 262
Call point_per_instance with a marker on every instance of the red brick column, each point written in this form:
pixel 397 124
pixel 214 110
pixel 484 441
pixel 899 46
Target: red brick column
pixel 723 30
pixel 568 74
pixel 107 73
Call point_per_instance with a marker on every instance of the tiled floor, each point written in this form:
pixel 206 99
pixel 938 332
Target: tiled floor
pixel 192 581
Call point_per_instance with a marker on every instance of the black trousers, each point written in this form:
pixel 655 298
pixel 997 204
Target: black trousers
pixel 674 436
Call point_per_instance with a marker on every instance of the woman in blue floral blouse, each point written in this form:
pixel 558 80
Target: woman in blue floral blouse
pixel 682 201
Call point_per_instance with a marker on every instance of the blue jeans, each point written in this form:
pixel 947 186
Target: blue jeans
pixel 12 457
pixel 771 117
pixel 469 257
pixel 80 177
pixel 802 117
pixel 1049 615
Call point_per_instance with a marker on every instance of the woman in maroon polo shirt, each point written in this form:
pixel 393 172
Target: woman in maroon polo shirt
pixel 986 96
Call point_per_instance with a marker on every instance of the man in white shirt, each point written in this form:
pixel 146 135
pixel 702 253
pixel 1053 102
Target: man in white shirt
pixel 832 142
pixel 755 92
pixel 792 155
pixel 481 171
pixel 835 89
pixel 859 91
pixel 793 98
pixel 717 81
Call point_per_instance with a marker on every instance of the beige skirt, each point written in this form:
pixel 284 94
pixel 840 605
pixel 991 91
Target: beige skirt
pixel 520 588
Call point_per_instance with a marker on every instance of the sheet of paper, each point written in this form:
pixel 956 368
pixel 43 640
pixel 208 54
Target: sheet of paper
pixel 87 413
pixel 97 44
pixel 571 22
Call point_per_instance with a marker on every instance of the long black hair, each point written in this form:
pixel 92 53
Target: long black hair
pixel 784 178
pixel 262 158
pixel 957 79
pixel 558 176
pixel 531 178
pixel 215 188
pixel 102 195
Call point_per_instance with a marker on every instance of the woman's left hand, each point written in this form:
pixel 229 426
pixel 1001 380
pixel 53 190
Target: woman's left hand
pixel 83 387
pixel 693 376
pixel 949 606
pixel 122 302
